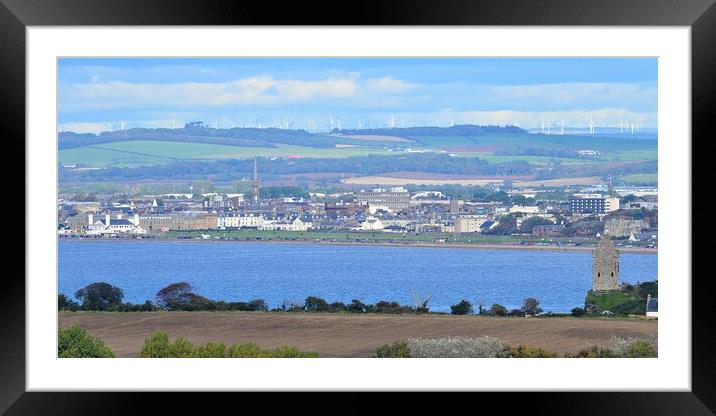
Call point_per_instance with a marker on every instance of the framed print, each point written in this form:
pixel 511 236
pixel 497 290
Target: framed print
pixel 499 194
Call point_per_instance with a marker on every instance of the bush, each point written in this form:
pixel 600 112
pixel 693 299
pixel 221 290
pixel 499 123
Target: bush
pixel 462 308
pixel 578 312
pixel 75 343
pixel 498 310
pixel 593 351
pixel 530 352
pixel 517 312
pixel 159 346
pixel 156 346
pixel 635 347
pixel 641 349
pixel 398 349
pixel 100 296
pixel 459 347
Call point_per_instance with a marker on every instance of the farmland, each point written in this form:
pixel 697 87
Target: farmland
pixel 145 153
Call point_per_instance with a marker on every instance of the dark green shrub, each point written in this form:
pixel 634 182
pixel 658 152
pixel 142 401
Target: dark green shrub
pixel 498 310
pixel 211 350
pixel 578 312
pixel 462 308
pixel 594 351
pixel 100 296
pixel 258 305
pixel 289 352
pixel 641 349
pixel 156 346
pixel 247 350
pixel 337 307
pixel 398 349
pixel 384 306
pixel 316 304
pixel 356 306
pixel 517 312
pixel 530 352
pixel 74 342
pixel 159 346
pixel 181 348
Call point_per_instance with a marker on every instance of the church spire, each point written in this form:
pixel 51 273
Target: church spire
pixel 255 189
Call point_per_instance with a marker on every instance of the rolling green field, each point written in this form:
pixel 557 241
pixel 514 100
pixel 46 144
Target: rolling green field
pixel 151 152
pixel 143 153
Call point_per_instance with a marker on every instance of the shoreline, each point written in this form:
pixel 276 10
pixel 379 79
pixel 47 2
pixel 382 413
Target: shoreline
pixel 478 246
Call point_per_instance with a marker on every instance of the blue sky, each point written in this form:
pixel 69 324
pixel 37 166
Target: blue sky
pixel 100 94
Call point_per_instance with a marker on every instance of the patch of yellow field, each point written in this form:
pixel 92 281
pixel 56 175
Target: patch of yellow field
pixel 587 180
pixel 372 138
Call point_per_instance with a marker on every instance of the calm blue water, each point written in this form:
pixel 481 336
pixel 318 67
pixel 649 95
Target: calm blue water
pixel 277 272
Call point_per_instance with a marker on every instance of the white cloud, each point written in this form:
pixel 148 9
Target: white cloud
pixel 389 85
pixel 247 91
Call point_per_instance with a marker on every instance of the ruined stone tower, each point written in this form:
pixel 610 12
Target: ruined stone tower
pixel 605 267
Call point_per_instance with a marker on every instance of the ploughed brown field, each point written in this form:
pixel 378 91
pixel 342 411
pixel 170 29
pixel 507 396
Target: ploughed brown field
pixel 343 335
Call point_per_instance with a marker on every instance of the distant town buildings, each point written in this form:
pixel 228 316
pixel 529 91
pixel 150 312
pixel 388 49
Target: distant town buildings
pixel 594 204
pixel 623 227
pixel 570 217
pixel 469 223
pixel 394 199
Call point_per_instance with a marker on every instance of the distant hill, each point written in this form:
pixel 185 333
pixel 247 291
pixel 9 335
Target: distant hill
pixel 459 130
pixel 266 137
pixel 247 137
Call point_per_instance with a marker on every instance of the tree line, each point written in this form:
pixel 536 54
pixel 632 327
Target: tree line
pixel 182 296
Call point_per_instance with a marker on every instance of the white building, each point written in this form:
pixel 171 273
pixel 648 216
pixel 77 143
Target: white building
pixel 119 225
pixel 524 209
pixel 372 223
pixel 469 223
pixel 611 204
pixel 240 221
pixel 295 225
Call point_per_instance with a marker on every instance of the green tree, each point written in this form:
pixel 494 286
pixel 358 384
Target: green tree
pixel 498 310
pixel 176 295
pixel 462 308
pixel 531 222
pixel 531 306
pixel 316 304
pixel 100 296
pixel 74 342
pixel 66 304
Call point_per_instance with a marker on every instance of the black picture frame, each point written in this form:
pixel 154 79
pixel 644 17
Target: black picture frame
pixel 16 15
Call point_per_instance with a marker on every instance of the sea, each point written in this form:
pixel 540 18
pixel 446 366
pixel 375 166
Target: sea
pixel 289 272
